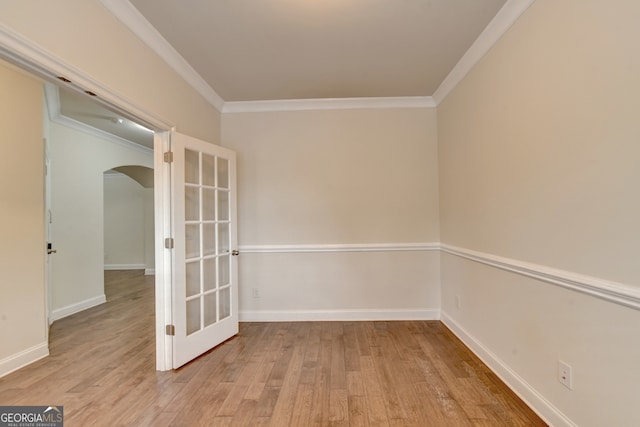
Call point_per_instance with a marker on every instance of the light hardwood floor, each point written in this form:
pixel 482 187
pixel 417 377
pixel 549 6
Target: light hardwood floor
pixel 416 373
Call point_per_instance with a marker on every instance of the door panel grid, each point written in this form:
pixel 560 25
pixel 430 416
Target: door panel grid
pixel 205 289
pixel 207 246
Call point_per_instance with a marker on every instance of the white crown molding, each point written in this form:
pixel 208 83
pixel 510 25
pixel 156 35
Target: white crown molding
pixel 138 24
pixel 618 293
pixel 30 56
pixel 81 127
pixel 360 247
pixel 329 104
pixel 547 411
pixel 338 315
pixel 504 19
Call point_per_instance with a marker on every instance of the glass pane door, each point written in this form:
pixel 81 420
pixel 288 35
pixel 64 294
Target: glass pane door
pixel 205 311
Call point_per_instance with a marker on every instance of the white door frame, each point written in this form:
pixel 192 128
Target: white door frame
pixel 163 265
pixel 31 57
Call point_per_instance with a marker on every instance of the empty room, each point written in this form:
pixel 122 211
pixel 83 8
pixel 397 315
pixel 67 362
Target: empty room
pixel 407 213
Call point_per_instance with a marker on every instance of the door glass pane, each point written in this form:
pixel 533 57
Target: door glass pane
pixel 223 270
pixel 208 204
pixel 191 167
pixel 192 243
pixel 193 316
pixel 191 204
pixel 223 173
pixel 210 309
pixel 209 274
pixel 225 303
pixel 193 278
pixel 223 238
pixel 208 170
pixel 223 205
pixel 209 239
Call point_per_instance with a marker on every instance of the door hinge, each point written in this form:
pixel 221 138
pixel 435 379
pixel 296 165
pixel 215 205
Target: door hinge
pixel 168 243
pixel 170 330
pixel 168 157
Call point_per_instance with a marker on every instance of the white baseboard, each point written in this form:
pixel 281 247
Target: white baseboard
pixel 320 315
pixel 24 358
pixel 149 271
pixel 75 308
pixel 536 401
pixel 124 266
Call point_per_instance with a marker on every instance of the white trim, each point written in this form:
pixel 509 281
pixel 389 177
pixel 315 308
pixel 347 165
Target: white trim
pixel 618 293
pixel 124 266
pixel 149 271
pixel 329 104
pixel 138 24
pixel 536 401
pixel 23 358
pixel 163 264
pixel 359 247
pixel 114 139
pixel 339 315
pixel 52 99
pixel 32 57
pixel 59 313
pixel 504 19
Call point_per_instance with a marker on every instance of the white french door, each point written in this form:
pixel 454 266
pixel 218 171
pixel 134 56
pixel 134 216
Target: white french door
pixel 205 268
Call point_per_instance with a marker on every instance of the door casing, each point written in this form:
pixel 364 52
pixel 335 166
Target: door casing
pixel 22 52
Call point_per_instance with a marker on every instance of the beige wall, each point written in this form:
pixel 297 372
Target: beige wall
pixel 539 163
pixel 22 253
pixel 336 177
pixel 539 144
pixel 124 222
pixel 84 34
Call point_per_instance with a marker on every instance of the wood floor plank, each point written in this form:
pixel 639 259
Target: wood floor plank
pixel 101 368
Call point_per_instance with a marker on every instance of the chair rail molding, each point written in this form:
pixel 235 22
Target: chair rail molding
pixel 618 293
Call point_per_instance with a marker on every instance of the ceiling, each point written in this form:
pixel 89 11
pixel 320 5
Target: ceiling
pixel 248 50
pixel 85 110
pixel 67 104
pixel 265 50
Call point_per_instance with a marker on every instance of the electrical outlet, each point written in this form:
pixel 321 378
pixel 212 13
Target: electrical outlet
pixel 458 302
pixel 255 292
pixel 565 375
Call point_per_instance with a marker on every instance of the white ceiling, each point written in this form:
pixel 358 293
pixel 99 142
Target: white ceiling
pixel 359 52
pixel 247 50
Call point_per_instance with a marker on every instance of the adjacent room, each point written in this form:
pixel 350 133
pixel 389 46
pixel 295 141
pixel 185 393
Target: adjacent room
pixel 421 212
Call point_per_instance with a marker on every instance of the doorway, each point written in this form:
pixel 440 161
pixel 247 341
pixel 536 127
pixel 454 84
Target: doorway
pixel 78 154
